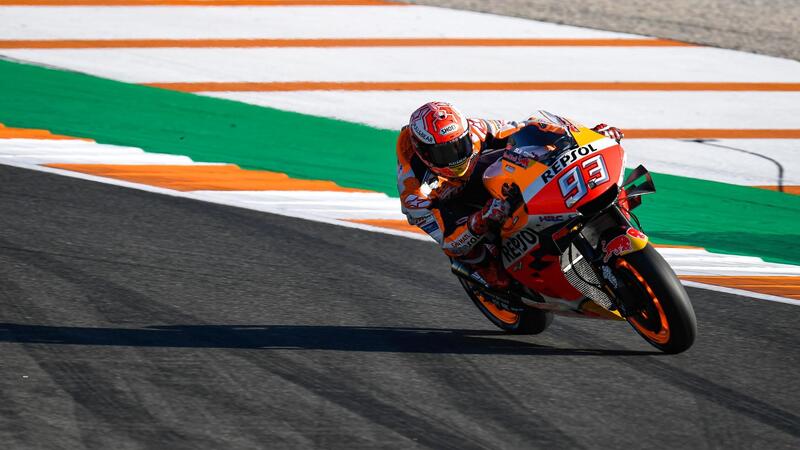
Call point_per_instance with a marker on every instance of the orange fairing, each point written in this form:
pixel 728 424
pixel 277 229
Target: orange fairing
pixel 516 222
pixel 503 172
pixel 495 176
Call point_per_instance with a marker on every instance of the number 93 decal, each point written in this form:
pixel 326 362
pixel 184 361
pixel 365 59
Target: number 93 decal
pixel 575 184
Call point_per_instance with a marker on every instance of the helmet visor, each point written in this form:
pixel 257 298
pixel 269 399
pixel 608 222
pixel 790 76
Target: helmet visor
pixel 446 154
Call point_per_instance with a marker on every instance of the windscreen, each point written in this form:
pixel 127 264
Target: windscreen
pixel 541 145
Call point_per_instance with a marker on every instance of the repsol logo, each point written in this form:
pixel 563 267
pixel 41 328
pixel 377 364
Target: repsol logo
pixel 518 245
pixel 565 160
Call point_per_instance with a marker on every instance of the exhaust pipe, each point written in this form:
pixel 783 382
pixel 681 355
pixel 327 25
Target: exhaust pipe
pixel 461 270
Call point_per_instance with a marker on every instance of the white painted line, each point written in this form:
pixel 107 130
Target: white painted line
pixel 752 162
pixel 33 151
pixel 664 64
pixel 273 22
pixel 741 292
pixel 733 165
pixel 636 109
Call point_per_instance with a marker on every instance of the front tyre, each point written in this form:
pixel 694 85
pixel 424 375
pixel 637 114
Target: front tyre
pixel 665 317
pixel 527 321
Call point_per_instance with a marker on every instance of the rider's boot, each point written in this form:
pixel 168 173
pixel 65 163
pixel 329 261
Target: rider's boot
pixel 484 260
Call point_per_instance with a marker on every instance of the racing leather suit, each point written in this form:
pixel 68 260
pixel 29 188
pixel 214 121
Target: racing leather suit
pixel 441 206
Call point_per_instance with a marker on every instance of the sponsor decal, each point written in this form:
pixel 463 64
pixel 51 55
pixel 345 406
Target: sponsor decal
pixel 419 131
pixel 565 160
pixel 448 129
pixel 517 157
pixel 430 227
pixel 620 245
pixel 633 240
pixel 477 277
pixel 633 232
pixel 548 220
pixel 465 240
pixel 518 245
pixel 555 218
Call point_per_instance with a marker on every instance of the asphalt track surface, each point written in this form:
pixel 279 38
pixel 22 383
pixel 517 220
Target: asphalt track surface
pixel 135 320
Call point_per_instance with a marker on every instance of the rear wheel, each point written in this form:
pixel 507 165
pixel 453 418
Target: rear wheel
pixel 665 317
pixel 527 321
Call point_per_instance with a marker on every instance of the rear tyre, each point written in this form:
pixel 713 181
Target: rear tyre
pixel 527 321
pixel 665 318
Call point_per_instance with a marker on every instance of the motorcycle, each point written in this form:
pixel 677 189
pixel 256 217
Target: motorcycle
pixel 570 244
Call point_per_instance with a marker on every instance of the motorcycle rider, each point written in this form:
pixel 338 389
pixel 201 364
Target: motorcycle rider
pixel 439 179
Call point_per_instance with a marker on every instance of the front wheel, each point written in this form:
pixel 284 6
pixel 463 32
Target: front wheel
pixel 527 321
pixel 664 316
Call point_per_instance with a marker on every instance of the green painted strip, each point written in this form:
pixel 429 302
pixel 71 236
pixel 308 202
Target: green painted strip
pixel 203 128
pixel 723 218
pixel 717 216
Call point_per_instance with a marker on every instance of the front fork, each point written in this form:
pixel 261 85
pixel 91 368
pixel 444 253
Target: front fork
pixel 602 241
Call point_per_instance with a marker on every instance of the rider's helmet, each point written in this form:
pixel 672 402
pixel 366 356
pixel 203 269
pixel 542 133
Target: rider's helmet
pixel 441 138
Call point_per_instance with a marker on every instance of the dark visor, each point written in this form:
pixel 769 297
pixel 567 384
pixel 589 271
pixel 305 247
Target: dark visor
pixel 442 155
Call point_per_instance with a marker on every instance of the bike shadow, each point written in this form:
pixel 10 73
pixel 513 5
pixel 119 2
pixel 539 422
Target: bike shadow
pixel 297 337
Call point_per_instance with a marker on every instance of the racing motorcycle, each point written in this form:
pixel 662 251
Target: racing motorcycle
pixel 570 244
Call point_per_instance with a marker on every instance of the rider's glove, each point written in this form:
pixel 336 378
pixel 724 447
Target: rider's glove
pixel 495 211
pixel 609 132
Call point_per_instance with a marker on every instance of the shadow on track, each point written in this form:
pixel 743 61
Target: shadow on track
pixel 290 337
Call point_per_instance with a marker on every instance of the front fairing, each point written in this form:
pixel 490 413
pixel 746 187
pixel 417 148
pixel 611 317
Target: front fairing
pixel 555 187
pixel 555 184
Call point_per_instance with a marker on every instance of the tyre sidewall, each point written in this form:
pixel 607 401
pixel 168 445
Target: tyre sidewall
pixel 672 297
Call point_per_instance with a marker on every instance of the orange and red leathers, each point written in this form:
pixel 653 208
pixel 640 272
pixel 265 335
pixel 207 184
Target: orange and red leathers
pixel 422 193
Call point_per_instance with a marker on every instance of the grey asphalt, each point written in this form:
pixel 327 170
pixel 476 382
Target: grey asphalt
pixel 769 27
pixel 135 320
